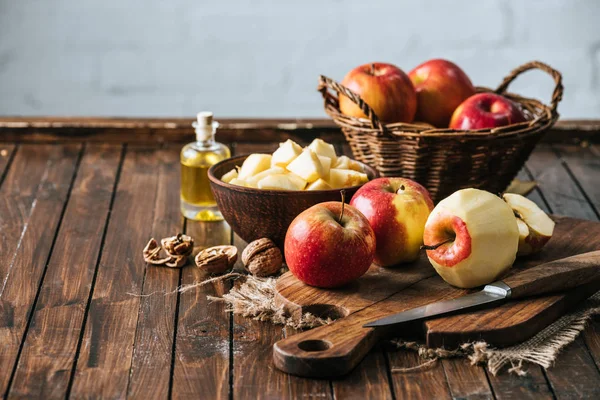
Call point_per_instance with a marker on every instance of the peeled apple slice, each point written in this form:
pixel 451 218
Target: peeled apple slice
pixel 341 178
pixel 319 184
pixel 324 149
pixel 307 166
pixel 229 176
pixel 286 153
pixel 254 164
pixel 277 182
pixel 481 235
pixel 538 227
pixel 253 180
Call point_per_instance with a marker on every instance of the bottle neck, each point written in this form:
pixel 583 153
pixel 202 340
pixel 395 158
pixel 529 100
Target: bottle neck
pixel 206 134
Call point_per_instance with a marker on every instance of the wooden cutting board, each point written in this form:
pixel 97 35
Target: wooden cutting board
pixel 385 291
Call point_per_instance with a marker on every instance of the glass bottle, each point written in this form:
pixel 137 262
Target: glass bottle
pixel 197 200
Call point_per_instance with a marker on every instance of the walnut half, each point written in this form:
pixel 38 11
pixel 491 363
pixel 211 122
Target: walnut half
pixel 217 259
pixel 178 249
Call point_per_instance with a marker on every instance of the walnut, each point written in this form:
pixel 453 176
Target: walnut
pixel 179 245
pixel 262 257
pixel 152 253
pixel 217 259
pixel 178 249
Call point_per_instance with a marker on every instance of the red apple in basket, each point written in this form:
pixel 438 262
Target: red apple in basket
pixel 441 86
pixel 385 88
pixel 486 110
pixel 397 210
pixel 324 250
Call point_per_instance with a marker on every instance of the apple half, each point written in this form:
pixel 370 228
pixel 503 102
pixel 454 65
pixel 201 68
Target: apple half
pixel 535 226
pixel 471 238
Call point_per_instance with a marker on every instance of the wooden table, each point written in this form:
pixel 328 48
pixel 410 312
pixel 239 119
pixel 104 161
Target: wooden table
pixel 79 199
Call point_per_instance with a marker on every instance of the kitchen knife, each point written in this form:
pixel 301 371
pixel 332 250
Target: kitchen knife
pixel 555 276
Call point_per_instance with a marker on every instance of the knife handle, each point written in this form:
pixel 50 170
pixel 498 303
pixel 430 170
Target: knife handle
pixel 555 276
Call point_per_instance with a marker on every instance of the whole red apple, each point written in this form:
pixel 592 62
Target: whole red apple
pixel 486 110
pixel 384 87
pixel 397 209
pixel 325 251
pixel 441 86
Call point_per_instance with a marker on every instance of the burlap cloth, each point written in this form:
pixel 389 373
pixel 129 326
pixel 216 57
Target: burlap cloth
pixel 254 298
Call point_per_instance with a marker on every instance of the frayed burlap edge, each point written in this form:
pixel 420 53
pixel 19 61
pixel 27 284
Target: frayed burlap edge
pixel 255 299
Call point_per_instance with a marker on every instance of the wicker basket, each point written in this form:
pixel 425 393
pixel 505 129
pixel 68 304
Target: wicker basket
pixel 445 160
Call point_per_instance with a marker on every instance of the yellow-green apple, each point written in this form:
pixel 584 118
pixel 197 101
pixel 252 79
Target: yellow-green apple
pixel 441 86
pixel 471 238
pixel 384 87
pixel 535 226
pixel 397 209
pixel 486 110
pixel 329 245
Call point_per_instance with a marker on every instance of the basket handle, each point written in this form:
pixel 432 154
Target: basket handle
pixel 558 88
pixel 326 83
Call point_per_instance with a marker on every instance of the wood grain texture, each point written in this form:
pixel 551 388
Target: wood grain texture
pixel 560 191
pixel 6 153
pixel 573 361
pixel 202 347
pixel 49 349
pixel 153 346
pixel 512 387
pixel 147 130
pixel 105 357
pixel 427 382
pixel 556 276
pixel 32 198
pixel 466 381
pixel 574 375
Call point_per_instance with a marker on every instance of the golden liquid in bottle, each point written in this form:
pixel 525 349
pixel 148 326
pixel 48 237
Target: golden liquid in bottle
pixel 197 200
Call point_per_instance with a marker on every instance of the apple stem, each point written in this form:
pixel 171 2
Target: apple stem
pixel 343 193
pixel 373 69
pixel 435 246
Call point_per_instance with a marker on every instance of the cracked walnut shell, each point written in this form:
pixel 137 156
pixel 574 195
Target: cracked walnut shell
pixel 217 259
pixel 178 245
pixel 262 257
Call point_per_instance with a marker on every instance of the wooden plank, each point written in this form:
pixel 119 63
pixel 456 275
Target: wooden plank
pixel 574 375
pixel 202 347
pixel 161 130
pixel 421 383
pixel 510 386
pixel 563 195
pixel 152 130
pixel 369 380
pixel 558 189
pixel 584 165
pixel 103 367
pixel 466 380
pixel 48 353
pixel 254 375
pixel 32 198
pixel 7 152
pixel 153 349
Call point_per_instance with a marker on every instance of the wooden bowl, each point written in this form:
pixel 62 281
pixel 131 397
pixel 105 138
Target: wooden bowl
pixel 258 213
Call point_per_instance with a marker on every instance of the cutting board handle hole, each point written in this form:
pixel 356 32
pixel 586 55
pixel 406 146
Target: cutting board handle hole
pixel 325 311
pixel 314 345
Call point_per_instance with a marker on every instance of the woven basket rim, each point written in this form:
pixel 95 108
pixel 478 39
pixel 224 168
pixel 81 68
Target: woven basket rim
pixel 541 116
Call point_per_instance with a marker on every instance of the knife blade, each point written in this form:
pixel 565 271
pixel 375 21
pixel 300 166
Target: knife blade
pixel 555 276
pixel 492 294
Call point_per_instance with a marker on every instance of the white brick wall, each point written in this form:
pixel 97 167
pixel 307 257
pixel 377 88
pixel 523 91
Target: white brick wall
pixel 252 58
